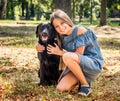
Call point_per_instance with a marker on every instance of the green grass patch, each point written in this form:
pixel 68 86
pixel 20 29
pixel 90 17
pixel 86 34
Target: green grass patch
pixel 21 22
pixel 5 61
pixel 109 43
pixel 20 36
pixel 97 22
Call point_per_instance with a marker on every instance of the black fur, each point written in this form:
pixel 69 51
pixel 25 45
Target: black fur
pixel 49 64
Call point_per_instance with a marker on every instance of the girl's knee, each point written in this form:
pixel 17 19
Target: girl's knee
pixel 67 57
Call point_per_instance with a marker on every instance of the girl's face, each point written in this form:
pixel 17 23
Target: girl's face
pixel 62 27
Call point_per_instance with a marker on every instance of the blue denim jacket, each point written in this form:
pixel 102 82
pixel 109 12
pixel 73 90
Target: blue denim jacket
pixel 88 39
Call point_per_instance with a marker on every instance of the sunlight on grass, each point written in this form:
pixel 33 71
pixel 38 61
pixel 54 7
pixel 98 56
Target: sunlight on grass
pixel 110 43
pixel 21 21
pixel 5 62
pixel 20 36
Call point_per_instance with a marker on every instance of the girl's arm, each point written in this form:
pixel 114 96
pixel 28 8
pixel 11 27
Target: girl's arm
pixel 40 48
pixel 80 49
pixel 55 50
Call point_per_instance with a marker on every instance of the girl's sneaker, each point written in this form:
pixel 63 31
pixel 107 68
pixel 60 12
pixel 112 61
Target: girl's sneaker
pixel 84 90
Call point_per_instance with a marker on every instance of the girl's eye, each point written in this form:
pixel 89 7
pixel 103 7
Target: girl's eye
pixel 62 23
pixel 56 26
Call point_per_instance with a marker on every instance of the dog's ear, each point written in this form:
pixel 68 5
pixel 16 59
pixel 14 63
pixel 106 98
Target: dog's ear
pixel 58 36
pixel 37 29
pixel 59 40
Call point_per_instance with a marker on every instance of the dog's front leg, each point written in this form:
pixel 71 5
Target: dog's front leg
pixel 42 75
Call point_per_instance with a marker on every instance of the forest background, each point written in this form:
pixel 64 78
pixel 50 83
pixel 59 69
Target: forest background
pixel 18 57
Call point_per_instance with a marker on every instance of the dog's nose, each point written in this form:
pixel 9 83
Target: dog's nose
pixel 45 32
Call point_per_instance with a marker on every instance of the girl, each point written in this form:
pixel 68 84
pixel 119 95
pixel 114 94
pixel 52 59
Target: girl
pixel 82 57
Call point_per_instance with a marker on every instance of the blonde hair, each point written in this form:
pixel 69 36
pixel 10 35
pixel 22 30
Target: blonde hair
pixel 61 15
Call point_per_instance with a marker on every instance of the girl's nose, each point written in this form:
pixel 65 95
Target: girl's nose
pixel 60 27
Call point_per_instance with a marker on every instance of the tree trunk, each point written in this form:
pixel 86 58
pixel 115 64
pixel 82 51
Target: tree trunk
pixel 3 4
pixel 12 11
pixel 73 10
pixel 64 5
pixel 27 11
pixel 23 8
pixel 103 13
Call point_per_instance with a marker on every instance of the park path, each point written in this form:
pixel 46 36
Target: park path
pixel 106 31
pixel 109 32
pixel 103 31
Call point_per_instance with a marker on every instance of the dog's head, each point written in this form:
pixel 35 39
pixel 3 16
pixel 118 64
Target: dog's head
pixel 45 32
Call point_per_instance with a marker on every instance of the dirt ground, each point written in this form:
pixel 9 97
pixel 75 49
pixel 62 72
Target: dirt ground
pixel 109 32
pixel 19 59
pixel 106 31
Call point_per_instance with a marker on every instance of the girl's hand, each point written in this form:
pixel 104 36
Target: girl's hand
pixel 40 48
pixel 54 50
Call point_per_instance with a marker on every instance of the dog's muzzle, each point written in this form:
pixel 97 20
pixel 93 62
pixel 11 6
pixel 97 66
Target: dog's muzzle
pixel 45 35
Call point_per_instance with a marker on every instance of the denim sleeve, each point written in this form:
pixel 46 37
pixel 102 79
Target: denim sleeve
pixel 85 39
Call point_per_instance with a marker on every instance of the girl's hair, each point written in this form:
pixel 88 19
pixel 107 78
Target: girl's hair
pixel 61 15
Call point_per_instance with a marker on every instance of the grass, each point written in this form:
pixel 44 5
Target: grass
pixel 86 22
pixel 19 22
pixel 83 22
pixel 18 36
pixel 19 66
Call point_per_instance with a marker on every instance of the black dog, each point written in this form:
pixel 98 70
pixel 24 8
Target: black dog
pixel 49 63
